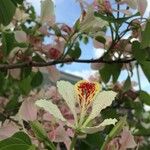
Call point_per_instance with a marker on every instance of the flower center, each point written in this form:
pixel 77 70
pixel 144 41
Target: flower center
pixel 86 91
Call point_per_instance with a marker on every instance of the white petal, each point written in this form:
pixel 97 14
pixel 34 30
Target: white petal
pixel 91 130
pixel 51 108
pixel 103 100
pixel 20 36
pixel 142 5
pixel 67 91
pixel 47 11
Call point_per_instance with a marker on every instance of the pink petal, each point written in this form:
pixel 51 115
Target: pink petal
pixel 15 73
pixel 98 44
pixel 28 110
pixel 54 73
pixel 60 135
pixel 142 5
pixel 8 130
pixel 97 66
pixel 127 139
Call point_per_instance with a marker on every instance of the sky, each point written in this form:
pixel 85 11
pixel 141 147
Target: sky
pixel 68 11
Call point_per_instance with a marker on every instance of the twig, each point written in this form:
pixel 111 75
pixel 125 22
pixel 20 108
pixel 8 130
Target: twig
pixel 55 62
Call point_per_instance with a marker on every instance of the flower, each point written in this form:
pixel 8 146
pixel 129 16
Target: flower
pixel 136 4
pixel 90 99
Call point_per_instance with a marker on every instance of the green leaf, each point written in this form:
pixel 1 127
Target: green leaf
pixel 57 30
pixel 23 136
pixel 7 42
pixel 19 141
pixel 115 71
pixel 112 19
pixel 127 84
pixel 145 97
pixel 37 79
pixel 25 85
pixel 41 134
pixel 110 70
pixel 75 52
pixel 145 36
pixel 38 130
pixel 7 11
pixel 100 39
pixel 145 67
pixel 105 73
pixel 138 53
pixel 17 2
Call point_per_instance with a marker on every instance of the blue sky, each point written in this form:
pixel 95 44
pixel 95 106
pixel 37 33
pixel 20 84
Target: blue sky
pixel 68 11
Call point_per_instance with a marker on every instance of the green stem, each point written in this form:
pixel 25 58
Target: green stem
pixel 73 142
pixel 105 143
pixel 49 144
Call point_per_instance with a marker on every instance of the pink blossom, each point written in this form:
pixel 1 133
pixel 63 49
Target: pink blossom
pixel 28 110
pixel 7 130
pixel 60 135
pixel 124 142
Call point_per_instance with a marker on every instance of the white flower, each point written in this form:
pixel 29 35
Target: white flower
pixel 47 12
pixel 141 5
pixel 86 95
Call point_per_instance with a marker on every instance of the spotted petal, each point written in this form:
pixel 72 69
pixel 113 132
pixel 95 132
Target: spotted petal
pixel 103 100
pixel 106 122
pixel 51 108
pixel 66 89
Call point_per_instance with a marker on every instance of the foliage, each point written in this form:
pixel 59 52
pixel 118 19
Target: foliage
pixel 74 116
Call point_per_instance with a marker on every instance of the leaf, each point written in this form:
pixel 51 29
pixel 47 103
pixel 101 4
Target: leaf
pixel 100 39
pixel 103 100
pixel 17 2
pixel 127 84
pixel 19 141
pixel 51 108
pixel 37 79
pixel 7 11
pixel 115 71
pixel 75 53
pixel 112 19
pixel 38 130
pixel 7 42
pixel 41 134
pixel 138 53
pixel 145 36
pixel 110 70
pixel 25 85
pixel 145 97
pixel 67 91
pixel 145 67
pixel 105 73
pixel 23 136
pixel 106 122
pixel 117 128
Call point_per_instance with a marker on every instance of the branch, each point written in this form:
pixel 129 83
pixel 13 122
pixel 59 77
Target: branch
pixel 55 62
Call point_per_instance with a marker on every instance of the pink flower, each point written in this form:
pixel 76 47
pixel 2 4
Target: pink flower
pixel 7 130
pixel 124 142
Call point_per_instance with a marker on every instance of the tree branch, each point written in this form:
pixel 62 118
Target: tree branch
pixel 55 62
